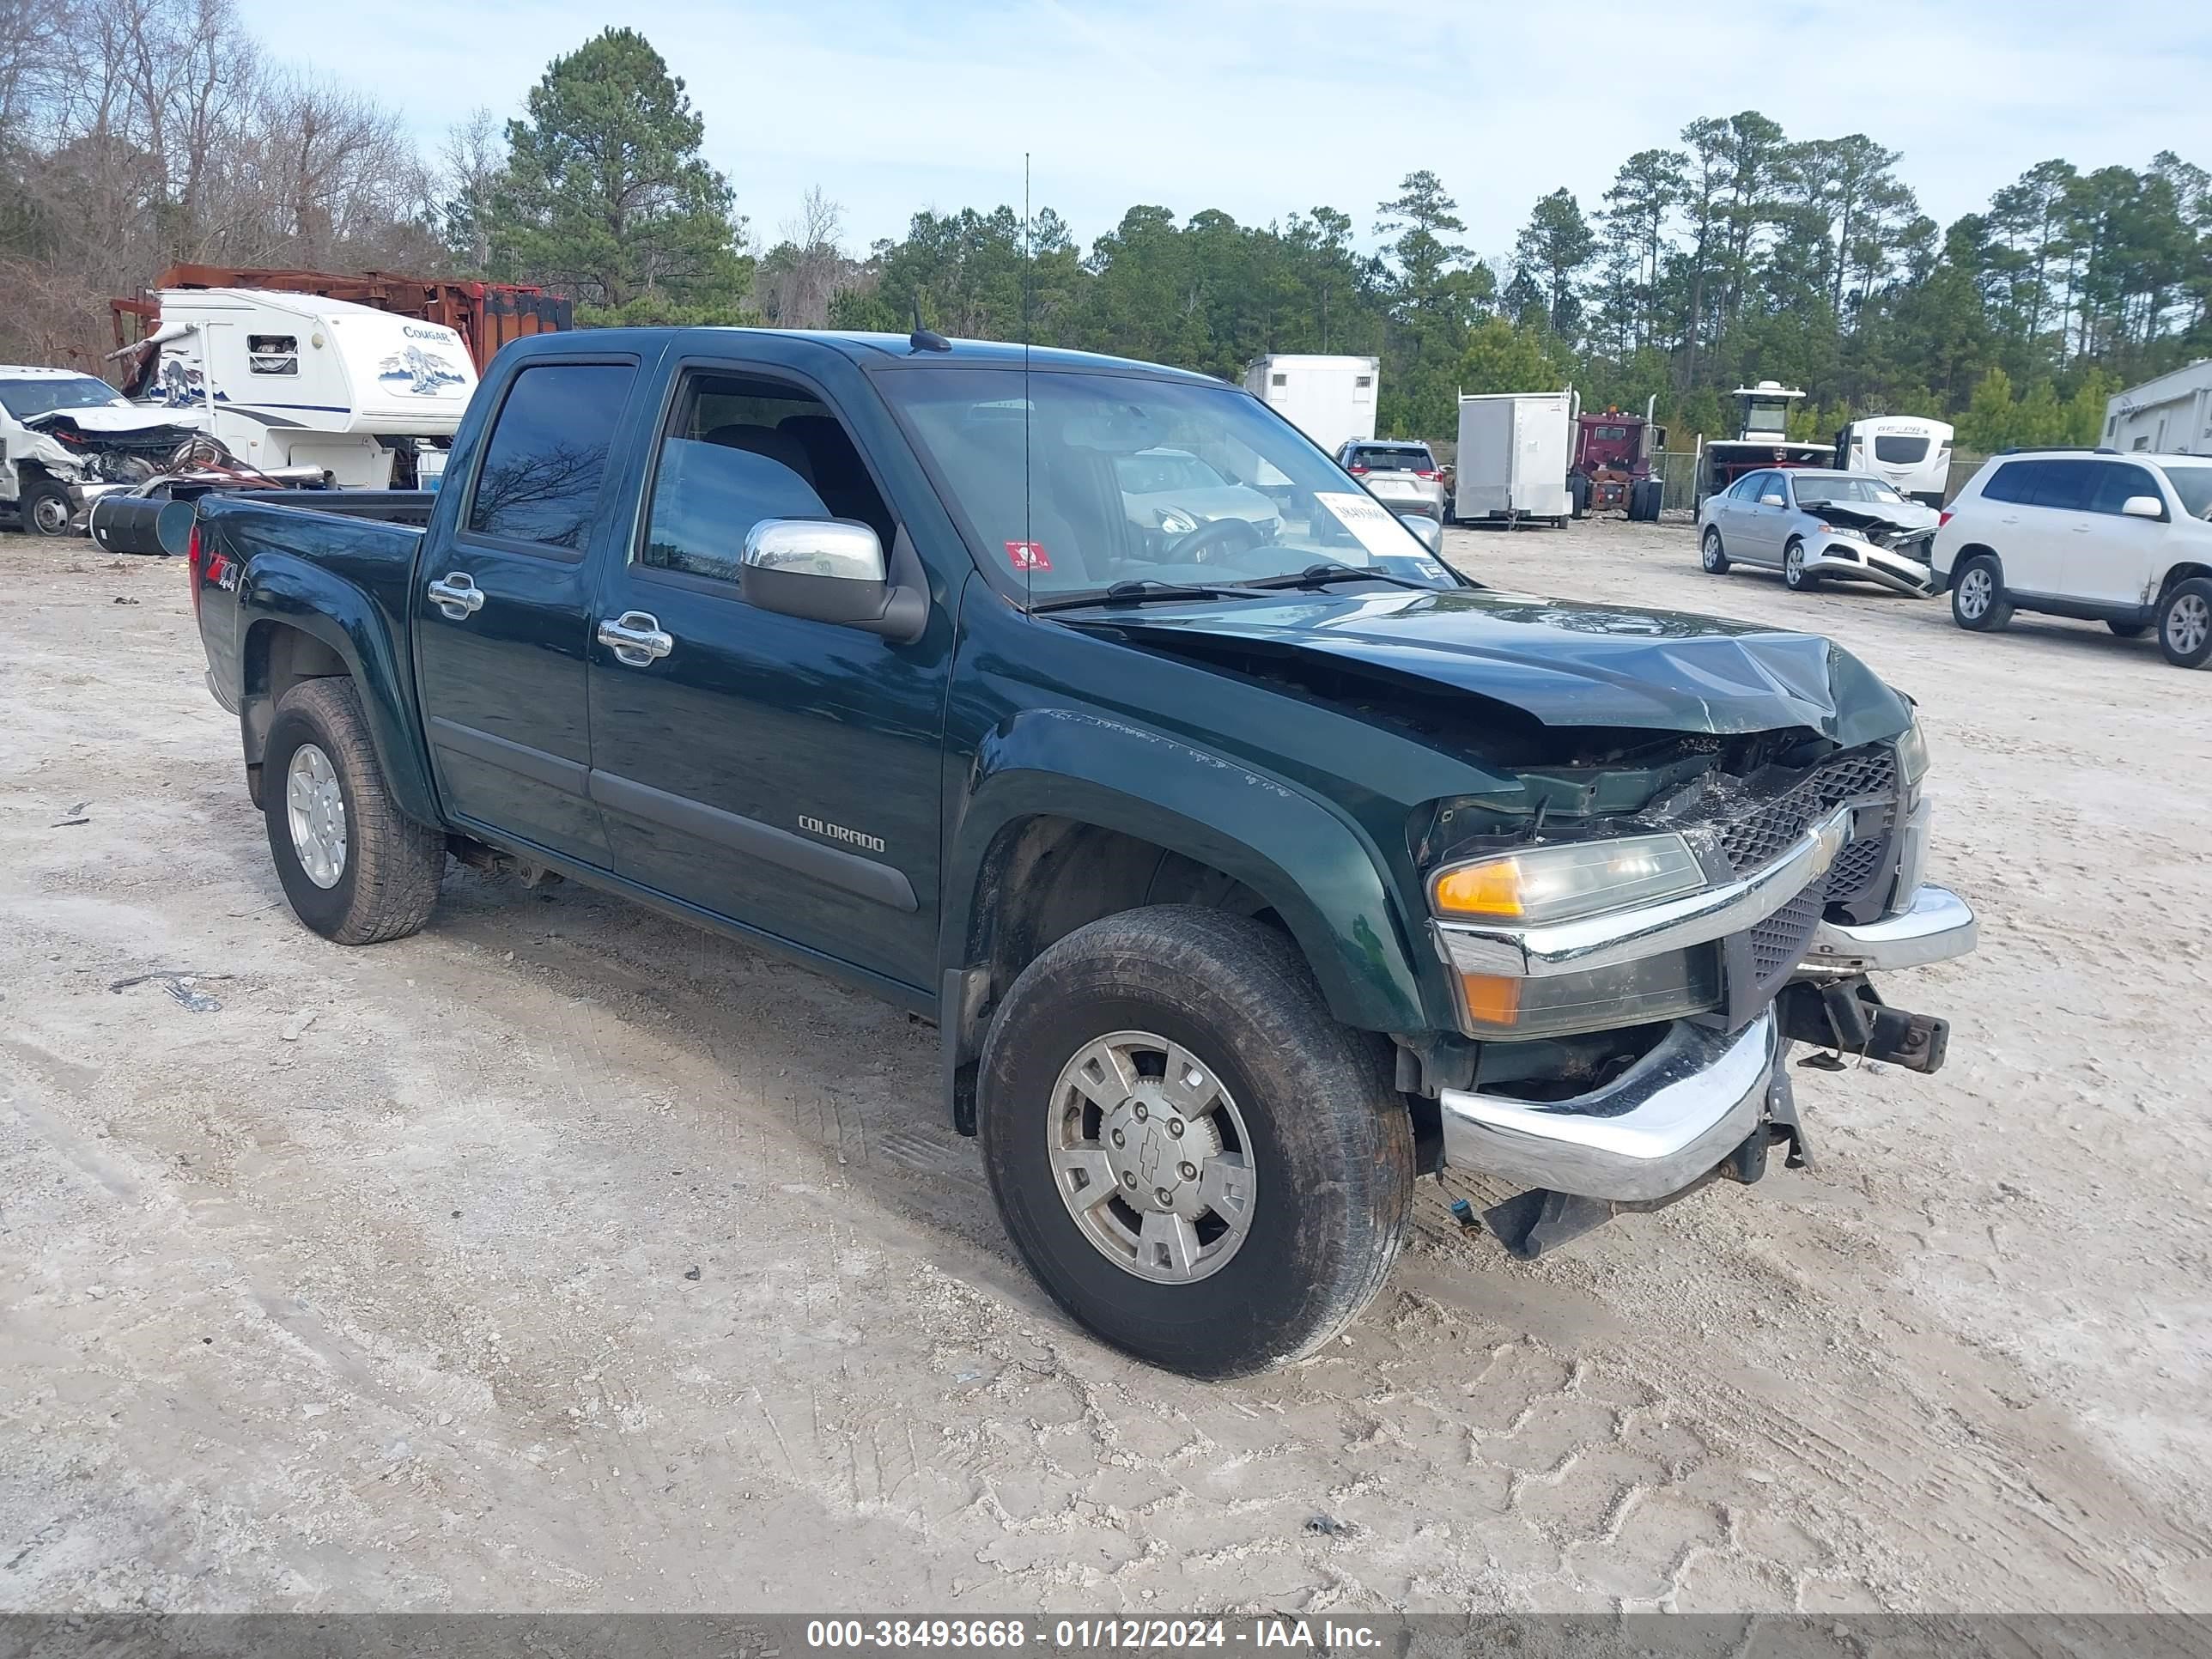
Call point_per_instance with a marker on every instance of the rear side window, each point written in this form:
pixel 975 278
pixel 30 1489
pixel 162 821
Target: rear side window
pixel 2065 485
pixel 547 453
pixel 2117 482
pixel 2012 482
pixel 1899 450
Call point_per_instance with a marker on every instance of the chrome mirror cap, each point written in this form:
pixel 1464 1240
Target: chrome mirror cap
pixel 835 548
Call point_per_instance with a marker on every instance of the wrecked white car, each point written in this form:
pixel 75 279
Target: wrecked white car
pixel 66 439
pixel 1811 524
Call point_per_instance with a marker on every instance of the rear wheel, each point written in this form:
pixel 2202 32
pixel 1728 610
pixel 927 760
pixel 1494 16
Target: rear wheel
pixel 46 507
pixel 1578 492
pixel 355 869
pixel 1794 574
pixel 1193 1156
pixel 1711 554
pixel 2184 624
pixel 1977 600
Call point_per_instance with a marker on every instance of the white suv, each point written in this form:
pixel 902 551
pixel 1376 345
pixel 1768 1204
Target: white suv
pixel 2120 539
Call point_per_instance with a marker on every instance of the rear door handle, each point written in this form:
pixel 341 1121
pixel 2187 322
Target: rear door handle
pixel 456 595
pixel 635 638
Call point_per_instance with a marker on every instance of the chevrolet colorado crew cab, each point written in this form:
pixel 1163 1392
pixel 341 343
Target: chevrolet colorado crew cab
pixel 1251 864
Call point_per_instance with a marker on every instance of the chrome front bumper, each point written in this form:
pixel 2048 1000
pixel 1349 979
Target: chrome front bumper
pixel 1675 1114
pixel 1652 1131
pixel 1864 561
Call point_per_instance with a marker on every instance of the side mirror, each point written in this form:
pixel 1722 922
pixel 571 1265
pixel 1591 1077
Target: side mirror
pixel 828 570
pixel 1426 529
pixel 2142 507
pixel 1772 501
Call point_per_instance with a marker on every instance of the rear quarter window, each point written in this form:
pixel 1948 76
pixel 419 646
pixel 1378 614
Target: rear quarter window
pixel 547 454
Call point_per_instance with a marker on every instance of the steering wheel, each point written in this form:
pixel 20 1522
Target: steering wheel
pixel 1193 546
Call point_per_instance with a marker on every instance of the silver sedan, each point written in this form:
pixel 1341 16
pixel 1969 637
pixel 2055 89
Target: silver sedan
pixel 1816 525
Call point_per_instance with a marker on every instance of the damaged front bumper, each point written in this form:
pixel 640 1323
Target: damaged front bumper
pixel 1846 558
pixel 1701 1103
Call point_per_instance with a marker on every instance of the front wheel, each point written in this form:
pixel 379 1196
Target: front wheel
pixel 2184 626
pixel 355 869
pixel 45 509
pixel 1711 554
pixel 1794 576
pixel 1195 1160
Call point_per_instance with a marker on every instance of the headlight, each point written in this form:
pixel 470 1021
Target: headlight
pixel 1176 521
pixel 1558 884
pixel 1912 754
pixel 1640 993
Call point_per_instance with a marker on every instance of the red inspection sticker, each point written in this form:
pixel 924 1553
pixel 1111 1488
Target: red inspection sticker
pixel 1028 556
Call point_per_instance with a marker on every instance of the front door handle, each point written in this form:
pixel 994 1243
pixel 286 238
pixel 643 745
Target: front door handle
pixel 456 595
pixel 635 638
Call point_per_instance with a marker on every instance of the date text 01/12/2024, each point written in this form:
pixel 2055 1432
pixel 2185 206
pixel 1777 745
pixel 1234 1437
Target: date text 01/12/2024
pixel 830 1635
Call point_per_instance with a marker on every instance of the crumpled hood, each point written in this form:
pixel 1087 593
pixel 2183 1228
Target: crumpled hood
pixel 1565 662
pixel 1909 517
pixel 131 417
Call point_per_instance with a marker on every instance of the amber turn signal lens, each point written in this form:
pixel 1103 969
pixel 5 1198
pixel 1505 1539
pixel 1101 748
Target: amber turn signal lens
pixel 1492 888
pixel 1490 998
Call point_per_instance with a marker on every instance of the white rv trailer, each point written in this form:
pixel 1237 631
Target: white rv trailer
pixel 1330 400
pixel 296 380
pixel 1514 448
pixel 1912 456
pixel 2170 415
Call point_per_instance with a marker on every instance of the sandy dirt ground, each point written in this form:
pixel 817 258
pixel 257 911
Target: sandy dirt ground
pixel 564 1258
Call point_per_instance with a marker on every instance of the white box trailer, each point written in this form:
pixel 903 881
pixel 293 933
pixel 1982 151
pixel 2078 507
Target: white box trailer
pixel 1514 451
pixel 296 380
pixel 1330 400
pixel 2170 415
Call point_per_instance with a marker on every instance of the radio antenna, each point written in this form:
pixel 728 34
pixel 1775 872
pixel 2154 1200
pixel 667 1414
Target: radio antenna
pixel 1028 263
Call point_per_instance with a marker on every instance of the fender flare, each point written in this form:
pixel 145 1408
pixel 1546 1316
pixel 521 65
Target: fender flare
pixel 282 591
pixel 1315 868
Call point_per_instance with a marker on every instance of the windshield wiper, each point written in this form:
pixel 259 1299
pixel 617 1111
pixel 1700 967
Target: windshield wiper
pixel 1142 592
pixel 1319 575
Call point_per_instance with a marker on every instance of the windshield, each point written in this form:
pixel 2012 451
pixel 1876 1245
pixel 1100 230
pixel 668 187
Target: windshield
pixel 1138 480
pixel 24 398
pixel 1834 487
pixel 2194 485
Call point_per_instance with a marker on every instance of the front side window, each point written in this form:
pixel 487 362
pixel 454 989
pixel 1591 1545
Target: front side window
pixel 739 450
pixel 1050 475
pixel 2117 483
pixel 547 454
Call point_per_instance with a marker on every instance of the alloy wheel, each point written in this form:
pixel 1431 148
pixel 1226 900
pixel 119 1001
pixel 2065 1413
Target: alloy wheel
pixel 1975 590
pixel 315 807
pixel 1152 1158
pixel 2188 622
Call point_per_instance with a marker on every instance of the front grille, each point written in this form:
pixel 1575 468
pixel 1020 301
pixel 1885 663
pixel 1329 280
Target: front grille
pixel 1778 944
pixel 1764 834
pixel 1857 866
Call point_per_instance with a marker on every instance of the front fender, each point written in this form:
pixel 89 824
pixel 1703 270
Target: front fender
pixel 282 590
pixel 1315 868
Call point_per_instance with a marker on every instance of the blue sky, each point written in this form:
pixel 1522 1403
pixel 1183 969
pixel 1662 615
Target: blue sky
pixel 1262 109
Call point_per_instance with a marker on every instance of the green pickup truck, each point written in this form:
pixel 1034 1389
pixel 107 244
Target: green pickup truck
pixel 1252 864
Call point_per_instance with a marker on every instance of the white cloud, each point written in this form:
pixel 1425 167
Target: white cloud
pixel 1262 107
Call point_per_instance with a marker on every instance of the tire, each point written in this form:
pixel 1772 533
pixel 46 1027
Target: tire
pixel 379 879
pixel 2129 630
pixel 1644 498
pixel 1977 600
pixel 1794 576
pixel 1711 553
pixel 45 508
pixel 2184 623
pixel 1328 1142
pixel 1578 492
